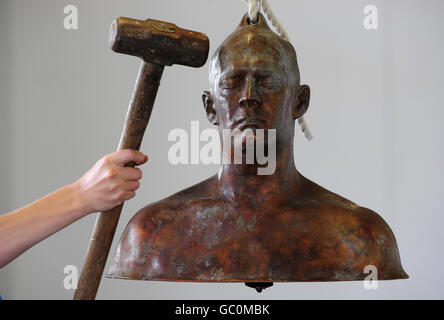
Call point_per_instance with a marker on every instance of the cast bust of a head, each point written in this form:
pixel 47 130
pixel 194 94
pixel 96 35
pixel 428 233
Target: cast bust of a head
pixel 237 226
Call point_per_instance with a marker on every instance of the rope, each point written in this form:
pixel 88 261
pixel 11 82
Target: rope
pixel 253 8
pixel 274 20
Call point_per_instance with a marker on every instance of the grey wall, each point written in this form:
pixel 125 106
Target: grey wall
pixel 376 115
pixel 5 181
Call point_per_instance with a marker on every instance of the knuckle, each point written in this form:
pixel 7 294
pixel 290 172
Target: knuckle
pixel 120 196
pixel 111 173
pixel 113 188
pixel 106 160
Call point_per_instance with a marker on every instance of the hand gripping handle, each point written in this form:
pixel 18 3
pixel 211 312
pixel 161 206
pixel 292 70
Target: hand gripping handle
pixel 139 112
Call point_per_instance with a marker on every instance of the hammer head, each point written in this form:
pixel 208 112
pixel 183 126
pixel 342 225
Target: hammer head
pixel 159 42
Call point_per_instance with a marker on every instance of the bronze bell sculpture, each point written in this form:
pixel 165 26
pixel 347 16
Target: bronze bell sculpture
pixel 238 226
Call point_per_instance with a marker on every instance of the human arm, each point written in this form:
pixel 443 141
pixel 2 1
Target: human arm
pixel 107 184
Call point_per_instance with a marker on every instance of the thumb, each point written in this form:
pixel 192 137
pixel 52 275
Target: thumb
pixel 122 157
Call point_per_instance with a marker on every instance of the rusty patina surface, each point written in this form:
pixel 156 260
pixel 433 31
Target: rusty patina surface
pixel 238 226
pixel 158 42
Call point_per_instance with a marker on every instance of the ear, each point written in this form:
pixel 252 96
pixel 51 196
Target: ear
pixel 209 107
pixel 302 101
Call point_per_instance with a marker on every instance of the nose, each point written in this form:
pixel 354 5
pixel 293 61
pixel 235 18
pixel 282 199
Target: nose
pixel 250 94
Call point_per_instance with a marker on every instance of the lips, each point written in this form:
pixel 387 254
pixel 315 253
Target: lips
pixel 249 123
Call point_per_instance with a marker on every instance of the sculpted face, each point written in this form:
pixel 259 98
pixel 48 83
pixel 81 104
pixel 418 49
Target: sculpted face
pixel 254 80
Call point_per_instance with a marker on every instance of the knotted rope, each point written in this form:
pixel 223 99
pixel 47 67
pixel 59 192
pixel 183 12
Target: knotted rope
pixel 254 6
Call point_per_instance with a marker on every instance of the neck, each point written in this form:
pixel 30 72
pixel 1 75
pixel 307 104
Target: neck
pixel 240 183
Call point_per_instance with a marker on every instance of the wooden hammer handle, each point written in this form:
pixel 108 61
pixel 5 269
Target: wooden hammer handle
pixel 137 118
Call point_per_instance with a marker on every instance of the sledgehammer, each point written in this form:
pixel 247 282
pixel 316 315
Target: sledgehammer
pixel 158 44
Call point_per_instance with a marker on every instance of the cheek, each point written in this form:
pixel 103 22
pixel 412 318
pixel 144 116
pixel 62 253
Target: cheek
pixel 228 100
pixel 278 103
pixel 222 106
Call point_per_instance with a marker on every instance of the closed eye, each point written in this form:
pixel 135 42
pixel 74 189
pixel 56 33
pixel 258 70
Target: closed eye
pixel 270 82
pixel 231 82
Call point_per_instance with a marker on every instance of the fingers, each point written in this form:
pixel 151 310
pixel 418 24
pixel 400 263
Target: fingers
pixel 130 185
pixel 128 195
pixel 125 181
pixel 122 157
pixel 131 173
pixel 108 183
pixel 122 191
pixel 120 196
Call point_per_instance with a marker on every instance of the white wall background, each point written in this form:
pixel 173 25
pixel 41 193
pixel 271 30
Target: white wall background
pixel 376 114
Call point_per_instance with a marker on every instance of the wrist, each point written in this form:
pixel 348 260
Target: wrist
pixel 78 198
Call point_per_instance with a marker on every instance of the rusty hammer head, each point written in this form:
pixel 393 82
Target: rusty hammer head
pixel 158 42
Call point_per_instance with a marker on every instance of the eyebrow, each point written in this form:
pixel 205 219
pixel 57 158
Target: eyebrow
pixel 230 74
pixel 236 73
